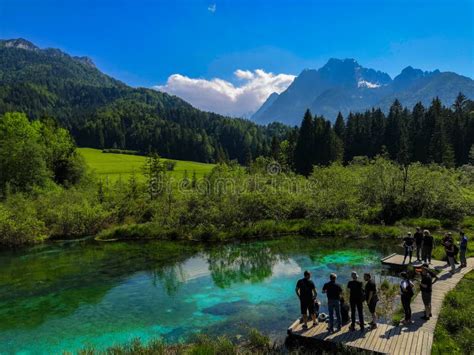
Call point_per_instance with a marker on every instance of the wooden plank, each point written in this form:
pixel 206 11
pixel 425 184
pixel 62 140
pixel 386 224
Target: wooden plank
pixel 410 349
pixel 430 342
pixel 386 339
pixel 380 341
pixel 418 342
pixel 345 334
pixel 295 323
pixel 372 344
pixel 360 339
pixel 397 341
pixel 403 342
pixel 368 343
pixel 388 257
pixel 424 349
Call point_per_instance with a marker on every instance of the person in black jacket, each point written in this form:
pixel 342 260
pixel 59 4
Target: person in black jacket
pixel 356 300
pixel 371 298
pixel 306 292
pixel 428 244
pixel 426 288
pixel 408 242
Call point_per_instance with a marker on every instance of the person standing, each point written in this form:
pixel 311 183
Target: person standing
pixel 450 253
pixel 333 290
pixel 446 242
pixel 306 292
pixel 408 242
pixel 426 288
pixel 428 244
pixel 406 293
pixel 463 249
pixel 419 243
pixel 356 299
pixel 371 298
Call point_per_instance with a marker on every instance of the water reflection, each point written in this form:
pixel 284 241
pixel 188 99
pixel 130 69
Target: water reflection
pixel 106 293
pixel 238 263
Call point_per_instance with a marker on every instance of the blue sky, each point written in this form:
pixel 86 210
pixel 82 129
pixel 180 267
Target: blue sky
pixel 144 42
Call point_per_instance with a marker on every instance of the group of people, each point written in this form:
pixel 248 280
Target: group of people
pixel 358 294
pixel 452 250
pixel 407 291
pixel 424 242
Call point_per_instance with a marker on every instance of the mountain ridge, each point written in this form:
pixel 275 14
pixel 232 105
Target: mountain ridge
pixel 103 112
pixel 343 85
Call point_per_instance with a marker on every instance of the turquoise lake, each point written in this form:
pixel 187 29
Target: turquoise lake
pixel 66 296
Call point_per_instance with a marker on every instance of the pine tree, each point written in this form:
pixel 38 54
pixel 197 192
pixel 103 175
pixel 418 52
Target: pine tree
pixel 304 149
pixel 275 148
pixel 340 126
pixel 155 173
pixel 393 130
pixel 377 131
pixel 459 127
pixel 418 143
pixel 471 155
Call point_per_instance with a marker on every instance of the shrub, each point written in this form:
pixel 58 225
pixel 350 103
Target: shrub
pixel 19 223
pixel 423 223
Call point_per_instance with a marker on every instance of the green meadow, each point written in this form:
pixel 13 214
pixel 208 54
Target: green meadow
pixel 114 166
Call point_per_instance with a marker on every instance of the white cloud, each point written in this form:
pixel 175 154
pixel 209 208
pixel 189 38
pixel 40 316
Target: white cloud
pixel 212 8
pixel 224 97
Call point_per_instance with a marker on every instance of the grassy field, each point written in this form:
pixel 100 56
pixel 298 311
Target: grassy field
pixel 454 332
pixel 115 166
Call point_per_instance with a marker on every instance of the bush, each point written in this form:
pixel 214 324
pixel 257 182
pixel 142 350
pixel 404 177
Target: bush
pixel 19 223
pixel 70 213
pixel 258 340
pixel 423 223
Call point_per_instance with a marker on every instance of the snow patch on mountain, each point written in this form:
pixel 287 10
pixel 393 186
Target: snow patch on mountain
pixel 367 84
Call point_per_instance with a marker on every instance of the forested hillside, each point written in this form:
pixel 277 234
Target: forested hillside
pixel 102 112
pixel 434 134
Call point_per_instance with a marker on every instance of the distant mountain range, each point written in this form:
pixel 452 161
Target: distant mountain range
pixel 345 86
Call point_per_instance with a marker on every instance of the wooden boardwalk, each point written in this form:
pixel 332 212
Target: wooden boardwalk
pixel 388 339
pixel 396 260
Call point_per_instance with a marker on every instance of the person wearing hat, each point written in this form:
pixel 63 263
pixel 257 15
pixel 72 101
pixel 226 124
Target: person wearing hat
pixel 426 288
pixel 356 300
pixel 408 242
pixel 406 293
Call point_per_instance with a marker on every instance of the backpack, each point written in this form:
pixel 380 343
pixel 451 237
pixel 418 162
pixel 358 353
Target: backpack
pixel 456 249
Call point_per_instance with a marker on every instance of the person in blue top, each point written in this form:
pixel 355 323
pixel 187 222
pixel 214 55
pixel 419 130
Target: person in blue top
pixel 463 249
